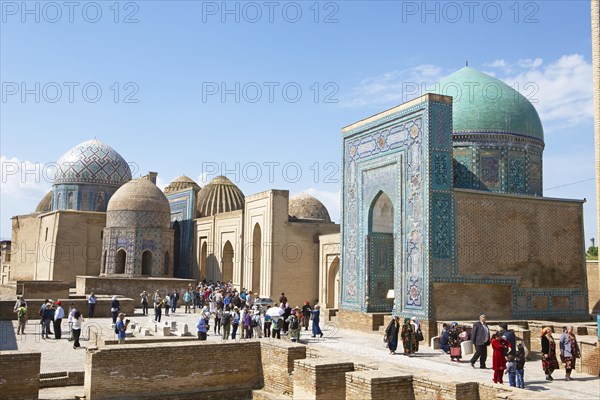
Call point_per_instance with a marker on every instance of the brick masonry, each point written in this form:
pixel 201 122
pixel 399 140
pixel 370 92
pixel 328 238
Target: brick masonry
pixel 130 287
pixel 178 370
pixel 19 375
pixel 278 363
pixel 378 385
pixel 320 379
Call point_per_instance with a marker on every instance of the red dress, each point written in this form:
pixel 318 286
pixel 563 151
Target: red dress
pixel 499 358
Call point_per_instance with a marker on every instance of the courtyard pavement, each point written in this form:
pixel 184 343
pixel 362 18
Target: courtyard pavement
pixel 59 355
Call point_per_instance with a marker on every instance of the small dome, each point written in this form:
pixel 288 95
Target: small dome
pixel 484 104
pixel 183 182
pixel 45 205
pixel 92 162
pixel 305 206
pixel 218 196
pixel 139 195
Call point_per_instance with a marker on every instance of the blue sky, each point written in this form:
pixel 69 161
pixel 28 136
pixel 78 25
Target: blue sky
pixel 171 61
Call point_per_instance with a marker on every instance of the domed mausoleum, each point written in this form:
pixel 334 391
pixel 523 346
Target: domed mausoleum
pixel 305 207
pixel 138 240
pixel 497 135
pixel 87 176
pixel 218 196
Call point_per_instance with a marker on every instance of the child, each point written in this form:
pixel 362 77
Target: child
pixel 520 366
pixel 499 346
pixel 511 370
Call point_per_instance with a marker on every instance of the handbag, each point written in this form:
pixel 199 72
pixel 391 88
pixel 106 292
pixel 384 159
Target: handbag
pixel 420 337
pixel 385 339
pixel 455 352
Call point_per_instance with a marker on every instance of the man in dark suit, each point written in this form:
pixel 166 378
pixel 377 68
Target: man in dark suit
pixel 480 337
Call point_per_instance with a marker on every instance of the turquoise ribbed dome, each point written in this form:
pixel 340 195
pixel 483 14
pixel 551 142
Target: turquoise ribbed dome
pixel 488 105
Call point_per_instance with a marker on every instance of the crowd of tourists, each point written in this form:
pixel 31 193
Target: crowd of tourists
pixel 244 314
pixel 230 313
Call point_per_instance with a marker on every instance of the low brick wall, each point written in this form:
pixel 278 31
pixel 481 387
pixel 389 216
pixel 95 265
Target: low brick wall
pixel 34 305
pixel 130 287
pixel 19 375
pixel 589 362
pixel 320 379
pixel 278 363
pixel 174 371
pixel 61 379
pixel 359 321
pixel 378 385
pixel 43 289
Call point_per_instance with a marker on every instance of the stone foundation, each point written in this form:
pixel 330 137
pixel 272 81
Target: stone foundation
pixel 320 379
pixel 378 385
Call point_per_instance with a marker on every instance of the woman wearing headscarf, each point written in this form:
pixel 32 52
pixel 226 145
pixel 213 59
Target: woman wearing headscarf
pixel 549 361
pixel 454 342
pixel 316 313
pixel 408 337
pixel 391 334
pixel 569 351
pixel 418 335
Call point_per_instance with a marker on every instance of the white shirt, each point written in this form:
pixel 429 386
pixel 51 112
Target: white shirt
pixel 59 313
pixel 77 323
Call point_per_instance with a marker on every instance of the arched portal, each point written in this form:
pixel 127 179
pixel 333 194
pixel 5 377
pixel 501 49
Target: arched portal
pixel 227 262
pixel 256 258
pixel 120 260
pixel 381 253
pixel 202 273
pixel 333 284
pixel 147 263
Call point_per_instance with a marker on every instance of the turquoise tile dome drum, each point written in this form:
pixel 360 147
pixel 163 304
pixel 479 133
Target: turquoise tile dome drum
pixel 87 176
pixel 497 135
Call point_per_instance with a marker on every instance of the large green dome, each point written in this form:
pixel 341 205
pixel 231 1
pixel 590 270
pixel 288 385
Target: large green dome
pixel 484 104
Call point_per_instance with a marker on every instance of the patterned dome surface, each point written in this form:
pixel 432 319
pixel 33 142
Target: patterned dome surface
pixel 218 196
pixel 305 206
pixel 484 104
pixel 45 205
pixel 92 162
pixel 183 182
pixel 138 204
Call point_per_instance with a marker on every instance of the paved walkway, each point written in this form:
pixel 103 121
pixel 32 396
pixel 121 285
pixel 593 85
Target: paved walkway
pixel 59 355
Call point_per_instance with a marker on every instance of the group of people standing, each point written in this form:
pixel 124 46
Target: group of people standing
pixel 509 359
pixel 409 332
pixel 51 317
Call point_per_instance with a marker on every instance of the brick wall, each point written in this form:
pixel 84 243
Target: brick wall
pixel 176 371
pixel 378 385
pixel 19 375
pixel 590 358
pixel 320 378
pixel 43 289
pixel 33 307
pixel 360 321
pixel 130 287
pixel 278 363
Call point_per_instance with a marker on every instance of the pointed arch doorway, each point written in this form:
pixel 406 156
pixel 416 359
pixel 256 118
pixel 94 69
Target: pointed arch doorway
pixel 380 241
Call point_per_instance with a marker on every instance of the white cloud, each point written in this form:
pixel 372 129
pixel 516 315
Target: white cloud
pixel 500 64
pixel 25 179
pixel 204 178
pixel 393 87
pixel 530 62
pixel 331 200
pixel 561 90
